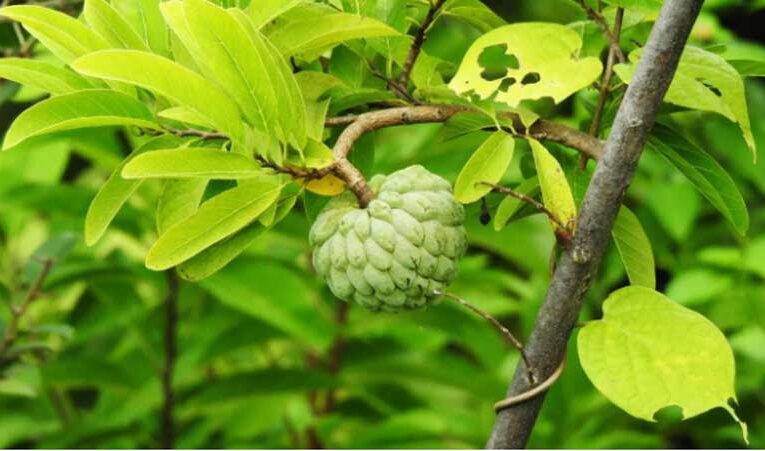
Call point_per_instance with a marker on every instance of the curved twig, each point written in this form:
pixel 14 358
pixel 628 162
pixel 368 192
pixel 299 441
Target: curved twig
pixel 531 393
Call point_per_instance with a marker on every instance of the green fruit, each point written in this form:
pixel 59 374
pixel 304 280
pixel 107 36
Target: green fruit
pixel 395 253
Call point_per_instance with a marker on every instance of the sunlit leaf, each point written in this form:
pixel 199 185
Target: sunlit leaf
pixel 525 61
pixel 487 165
pixel 648 353
pixel 41 75
pixel 216 219
pixel 91 108
pixel 107 22
pixel 704 81
pixel 556 192
pixel 634 249
pixel 217 256
pixel 179 200
pixel 189 162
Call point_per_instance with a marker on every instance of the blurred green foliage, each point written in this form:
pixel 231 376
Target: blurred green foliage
pixel 266 355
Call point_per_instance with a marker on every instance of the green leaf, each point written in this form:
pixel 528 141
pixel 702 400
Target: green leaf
pixel 216 219
pixel 146 19
pixel 91 108
pixel 169 79
pixel 66 37
pixel 187 116
pixel 749 68
pixel 525 61
pixel 648 353
pixel 473 12
pixel 188 162
pixel 556 192
pixel 245 64
pixel 510 205
pixel 107 22
pixel 643 6
pixel 276 295
pixel 115 192
pixel 217 256
pixel 487 164
pixel 264 11
pixel 179 200
pixel 634 249
pixel 321 32
pixel 41 75
pixel 704 81
pixel 706 174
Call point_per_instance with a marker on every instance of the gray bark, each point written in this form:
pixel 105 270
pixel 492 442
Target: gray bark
pixel 578 266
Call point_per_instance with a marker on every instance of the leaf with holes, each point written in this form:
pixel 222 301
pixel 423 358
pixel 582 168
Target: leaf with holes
pixel 649 352
pixel 704 81
pixel 487 165
pixel 634 249
pixel 556 192
pixel 525 61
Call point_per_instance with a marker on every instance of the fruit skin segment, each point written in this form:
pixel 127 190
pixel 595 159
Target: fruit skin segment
pixel 394 254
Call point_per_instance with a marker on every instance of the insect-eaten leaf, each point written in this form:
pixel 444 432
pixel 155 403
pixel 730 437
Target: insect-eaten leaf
pixel 486 166
pixel 556 192
pixel 704 81
pixel 648 353
pixel 525 61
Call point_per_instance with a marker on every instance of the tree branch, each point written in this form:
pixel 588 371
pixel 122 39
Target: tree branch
pixel 612 37
pixel 419 40
pixel 577 267
pixel 608 73
pixel 11 332
pixel 167 427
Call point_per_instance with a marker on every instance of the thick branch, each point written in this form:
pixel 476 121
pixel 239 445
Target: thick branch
pixel 375 120
pixel 577 267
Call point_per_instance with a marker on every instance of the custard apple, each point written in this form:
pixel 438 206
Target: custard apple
pixel 393 254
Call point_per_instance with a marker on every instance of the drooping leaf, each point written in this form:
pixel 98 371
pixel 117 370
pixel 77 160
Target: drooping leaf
pixel 218 218
pixel 648 353
pixel 556 192
pixel 238 56
pixel 108 23
pixel 191 162
pixel 511 205
pixel 634 249
pixel 706 174
pixel 525 61
pixel 263 12
pixel 169 79
pixel 179 200
pixel 90 108
pixel 215 257
pixel 41 75
pixel 115 192
pixel 487 164
pixel 704 81
pixel 145 18
pixel 63 35
pixel 324 31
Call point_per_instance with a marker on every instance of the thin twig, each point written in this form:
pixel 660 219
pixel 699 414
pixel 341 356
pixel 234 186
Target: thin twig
pixel 531 201
pixel 11 332
pixel 533 392
pixel 295 173
pixel 613 39
pixel 419 40
pixel 195 132
pixel 394 86
pixel 167 427
pixel 509 335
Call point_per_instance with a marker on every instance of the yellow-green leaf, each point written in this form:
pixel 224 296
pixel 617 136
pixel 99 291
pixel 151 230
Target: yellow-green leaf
pixel 108 23
pixel 487 165
pixel 218 218
pixel 634 249
pixel 511 205
pixel 212 259
pixel 91 108
pixel 556 192
pixel 190 162
pixel 704 81
pixel 649 352
pixel 43 76
pixel 179 200
pixel 525 61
